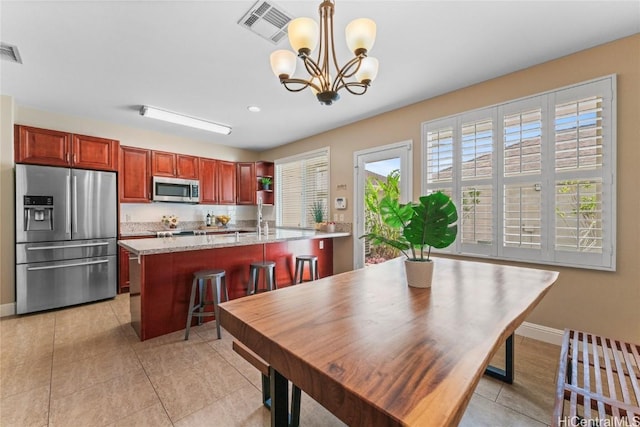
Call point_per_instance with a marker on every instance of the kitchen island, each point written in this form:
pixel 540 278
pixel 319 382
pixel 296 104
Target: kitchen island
pixel 161 269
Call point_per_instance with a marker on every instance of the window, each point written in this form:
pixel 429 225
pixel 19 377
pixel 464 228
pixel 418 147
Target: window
pixel 533 179
pixel 301 182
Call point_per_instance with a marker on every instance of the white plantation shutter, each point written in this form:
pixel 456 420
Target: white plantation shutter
pixel 301 181
pixel 533 179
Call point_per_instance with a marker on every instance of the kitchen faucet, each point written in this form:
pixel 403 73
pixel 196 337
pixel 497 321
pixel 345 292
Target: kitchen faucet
pixel 259 228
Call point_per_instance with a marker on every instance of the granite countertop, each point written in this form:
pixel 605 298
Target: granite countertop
pixel 213 230
pixel 211 241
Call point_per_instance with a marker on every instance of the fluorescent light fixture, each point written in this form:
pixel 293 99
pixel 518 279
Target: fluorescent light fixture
pixel 179 119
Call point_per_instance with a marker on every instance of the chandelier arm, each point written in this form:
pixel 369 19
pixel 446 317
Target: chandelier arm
pixel 345 73
pixel 348 86
pixel 312 67
pixel 304 84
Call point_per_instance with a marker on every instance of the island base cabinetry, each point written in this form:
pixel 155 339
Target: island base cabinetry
pixel 160 284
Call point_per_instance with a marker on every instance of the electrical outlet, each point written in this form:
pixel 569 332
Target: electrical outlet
pixel 321 244
pixel 335 217
pixel 341 217
pixel 127 218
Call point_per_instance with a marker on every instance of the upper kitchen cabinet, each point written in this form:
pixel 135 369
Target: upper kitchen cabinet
pixel 265 182
pixel 217 182
pixel 134 176
pixel 174 165
pixel 246 183
pixel 55 148
pixel 91 152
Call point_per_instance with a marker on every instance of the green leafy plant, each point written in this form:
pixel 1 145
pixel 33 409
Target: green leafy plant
pixel 375 189
pixel 317 211
pixel 429 223
pixel 265 180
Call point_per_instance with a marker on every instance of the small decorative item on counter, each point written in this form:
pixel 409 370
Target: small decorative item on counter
pixel 170 221
pixel 208 220
pixel 330 227
pixel 223 219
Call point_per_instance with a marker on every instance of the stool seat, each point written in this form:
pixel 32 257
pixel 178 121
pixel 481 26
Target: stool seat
pixel 201 278
pixel 299 271
pixel 269 268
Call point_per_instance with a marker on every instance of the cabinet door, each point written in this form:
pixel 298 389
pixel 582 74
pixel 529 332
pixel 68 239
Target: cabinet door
pixel 226 183
pixel 134 177
pixel 208 181
pixel 246 181
pixel 163 164
pixel 186 167
pixel 91 152
pixel 42 146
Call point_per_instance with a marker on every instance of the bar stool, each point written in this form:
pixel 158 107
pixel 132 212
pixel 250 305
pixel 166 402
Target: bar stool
pixel 200 278
pixel 269 268
pixel 313 268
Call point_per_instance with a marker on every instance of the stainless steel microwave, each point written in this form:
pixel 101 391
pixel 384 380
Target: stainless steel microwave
pixel 175 190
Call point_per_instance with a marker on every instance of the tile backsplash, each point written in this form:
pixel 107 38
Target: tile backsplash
pixel 153 212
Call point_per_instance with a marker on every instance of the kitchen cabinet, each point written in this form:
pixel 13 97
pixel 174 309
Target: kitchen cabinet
pixel 217 182
pixel 265 192
pixel 174 165
pixel 246 183
pixel 134 177
pixel 56 148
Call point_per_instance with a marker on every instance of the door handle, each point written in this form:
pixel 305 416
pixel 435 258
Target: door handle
pixel 68 208
pixel 78 264
pixel 75 204
pixel 85 245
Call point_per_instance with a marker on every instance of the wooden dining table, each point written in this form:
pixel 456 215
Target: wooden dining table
pixel 376 352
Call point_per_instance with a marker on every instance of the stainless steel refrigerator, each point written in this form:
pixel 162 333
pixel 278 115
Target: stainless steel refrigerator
pixel 65 237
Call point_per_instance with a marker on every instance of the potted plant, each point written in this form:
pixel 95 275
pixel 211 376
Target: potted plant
pixel 317 213
pixel 429 223
pixel 266 182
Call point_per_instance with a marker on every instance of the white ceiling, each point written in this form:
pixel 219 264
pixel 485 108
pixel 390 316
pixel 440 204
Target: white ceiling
pixel 104 59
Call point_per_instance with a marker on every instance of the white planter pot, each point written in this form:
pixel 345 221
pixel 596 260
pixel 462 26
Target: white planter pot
pixel 419 273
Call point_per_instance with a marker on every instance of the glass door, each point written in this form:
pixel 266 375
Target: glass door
pixel 377 171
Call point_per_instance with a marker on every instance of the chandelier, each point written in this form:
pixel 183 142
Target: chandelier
pixel 355 76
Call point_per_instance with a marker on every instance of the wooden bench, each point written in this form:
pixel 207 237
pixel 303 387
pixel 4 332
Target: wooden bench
pixel 598 382
pixel 263 367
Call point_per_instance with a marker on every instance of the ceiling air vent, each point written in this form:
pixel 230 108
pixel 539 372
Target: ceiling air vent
pixel 10 53
pixel 267 20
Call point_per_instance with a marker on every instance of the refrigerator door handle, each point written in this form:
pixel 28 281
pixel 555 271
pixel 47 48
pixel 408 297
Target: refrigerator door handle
pixel 78 264
pixel 68 209
pixel 74 219
pixel 85 245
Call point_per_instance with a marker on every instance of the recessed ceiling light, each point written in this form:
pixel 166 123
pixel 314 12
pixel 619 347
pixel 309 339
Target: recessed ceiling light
pixel 180 119
pixel 253 108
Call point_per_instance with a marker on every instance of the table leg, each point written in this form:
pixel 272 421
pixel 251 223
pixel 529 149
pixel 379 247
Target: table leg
pixel 505 374
pixel 279 390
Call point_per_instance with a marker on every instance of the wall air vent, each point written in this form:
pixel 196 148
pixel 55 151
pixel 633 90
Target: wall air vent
pixel 267 20
pixel 10 53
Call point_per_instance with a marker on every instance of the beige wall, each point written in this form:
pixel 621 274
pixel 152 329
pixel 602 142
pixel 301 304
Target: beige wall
pixel 11 113
pixel 7 232
pixel 600 302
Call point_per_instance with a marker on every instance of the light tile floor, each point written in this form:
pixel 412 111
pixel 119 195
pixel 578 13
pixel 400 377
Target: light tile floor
pixel 84 366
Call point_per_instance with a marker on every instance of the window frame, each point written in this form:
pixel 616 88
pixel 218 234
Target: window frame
pixel 604 87
pixel 278 187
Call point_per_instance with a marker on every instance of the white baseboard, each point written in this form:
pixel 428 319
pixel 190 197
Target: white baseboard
pixel 540 333
pixel 8 309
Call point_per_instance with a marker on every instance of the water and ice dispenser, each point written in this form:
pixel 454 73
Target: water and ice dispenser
pixel 38 213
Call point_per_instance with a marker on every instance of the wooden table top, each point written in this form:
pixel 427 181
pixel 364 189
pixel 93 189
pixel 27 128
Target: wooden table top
pixel 374 351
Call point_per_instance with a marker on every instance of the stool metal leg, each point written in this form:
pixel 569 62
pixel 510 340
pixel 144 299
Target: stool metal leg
pixel 202 291
pixel 272 272
pixel 251 287
pixel 192 300
pixel 226 290
pixel 216 304
pixel 297 272
pixel 314 270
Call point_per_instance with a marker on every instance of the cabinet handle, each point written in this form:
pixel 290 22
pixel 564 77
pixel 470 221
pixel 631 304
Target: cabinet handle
pixel 66 157
pixel 74 159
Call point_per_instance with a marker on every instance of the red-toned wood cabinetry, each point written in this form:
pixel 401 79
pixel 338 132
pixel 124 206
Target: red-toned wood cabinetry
pixel 55 148
pixel 246 181
pixel 134 178
pixel 174 165
pixel 217 182
pixel 265 171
